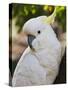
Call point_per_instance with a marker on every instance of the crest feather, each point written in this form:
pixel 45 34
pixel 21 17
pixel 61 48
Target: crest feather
pixel 50 19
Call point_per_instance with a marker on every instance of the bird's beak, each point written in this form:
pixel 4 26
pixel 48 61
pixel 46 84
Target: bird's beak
pixel 30 39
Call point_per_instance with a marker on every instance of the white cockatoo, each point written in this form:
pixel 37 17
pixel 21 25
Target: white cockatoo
pixel 39 63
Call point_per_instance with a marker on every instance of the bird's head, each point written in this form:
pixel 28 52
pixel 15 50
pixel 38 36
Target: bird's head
pixel 39 31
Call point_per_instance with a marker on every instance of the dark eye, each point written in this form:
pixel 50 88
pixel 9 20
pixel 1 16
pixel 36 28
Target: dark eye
pixel 39 32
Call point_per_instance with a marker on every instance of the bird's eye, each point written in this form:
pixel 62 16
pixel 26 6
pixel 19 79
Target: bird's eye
pixel 39 32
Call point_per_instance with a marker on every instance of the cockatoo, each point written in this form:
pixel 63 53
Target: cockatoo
pixel 39 64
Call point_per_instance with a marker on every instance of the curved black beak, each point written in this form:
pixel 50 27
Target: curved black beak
pixel 30 39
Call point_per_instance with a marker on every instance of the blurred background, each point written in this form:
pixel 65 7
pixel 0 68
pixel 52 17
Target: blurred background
pixel 18 15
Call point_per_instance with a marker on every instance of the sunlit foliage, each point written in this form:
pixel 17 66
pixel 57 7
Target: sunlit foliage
pixel 23 12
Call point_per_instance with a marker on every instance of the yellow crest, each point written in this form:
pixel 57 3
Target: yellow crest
pixel 50 19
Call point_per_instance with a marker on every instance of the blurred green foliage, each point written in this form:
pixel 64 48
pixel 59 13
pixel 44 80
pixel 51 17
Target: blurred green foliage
pixel 61 16
pixel 23 12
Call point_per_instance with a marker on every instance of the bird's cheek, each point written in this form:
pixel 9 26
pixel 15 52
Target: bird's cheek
pixel 36 44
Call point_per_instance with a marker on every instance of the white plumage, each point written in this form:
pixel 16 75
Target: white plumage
pixel 38 65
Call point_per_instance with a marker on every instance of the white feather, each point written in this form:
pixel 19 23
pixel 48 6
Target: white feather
pixel 41 66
